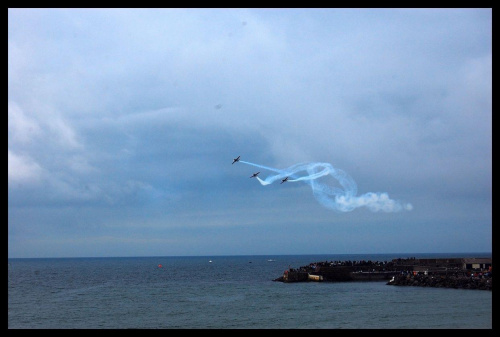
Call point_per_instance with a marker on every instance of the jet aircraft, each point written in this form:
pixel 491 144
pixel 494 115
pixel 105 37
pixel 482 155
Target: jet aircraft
pixel 283 180
pixel 236 159
pixel 254 175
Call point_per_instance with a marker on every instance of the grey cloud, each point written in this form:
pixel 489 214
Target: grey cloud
pixel 146 108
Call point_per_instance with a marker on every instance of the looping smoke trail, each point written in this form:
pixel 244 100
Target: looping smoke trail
pixel 338 199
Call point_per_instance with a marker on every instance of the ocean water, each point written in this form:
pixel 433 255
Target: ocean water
pixel 231 292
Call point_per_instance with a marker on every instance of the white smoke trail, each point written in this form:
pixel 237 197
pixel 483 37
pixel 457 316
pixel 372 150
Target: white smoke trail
pixel 342 199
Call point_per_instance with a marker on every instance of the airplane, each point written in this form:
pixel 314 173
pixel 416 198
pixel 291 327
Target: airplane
pixel 254 175
pixel 283 180
pixel 236 159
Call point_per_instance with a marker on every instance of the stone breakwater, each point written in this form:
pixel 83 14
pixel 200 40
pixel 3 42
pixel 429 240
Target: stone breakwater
pixel 457 282
pixel 458 273
pixel 341 271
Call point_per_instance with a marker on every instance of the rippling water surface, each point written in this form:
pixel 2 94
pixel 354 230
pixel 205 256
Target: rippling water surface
pixel 229 292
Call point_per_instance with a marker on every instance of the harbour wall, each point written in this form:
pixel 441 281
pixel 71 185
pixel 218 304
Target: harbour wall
pixel 443 281
pixel 456 273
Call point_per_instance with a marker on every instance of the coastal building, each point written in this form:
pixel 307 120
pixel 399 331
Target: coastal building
pixel 476 263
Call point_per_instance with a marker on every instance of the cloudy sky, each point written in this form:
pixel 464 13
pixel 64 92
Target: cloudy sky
pixel 123 124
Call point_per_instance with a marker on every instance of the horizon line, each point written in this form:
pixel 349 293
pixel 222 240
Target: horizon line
pixel 244 255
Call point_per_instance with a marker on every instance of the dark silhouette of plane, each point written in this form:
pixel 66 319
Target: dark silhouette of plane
pixel 254 175
pixel 283 180
pixel 236 159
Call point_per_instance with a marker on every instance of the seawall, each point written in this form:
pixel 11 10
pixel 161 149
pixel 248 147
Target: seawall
pixel 459 273
pixel 443 281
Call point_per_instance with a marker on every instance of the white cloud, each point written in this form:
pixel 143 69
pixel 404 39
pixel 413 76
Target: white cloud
pixel 63 134
pixel 23 169
pixel 114 107
pixel 22 128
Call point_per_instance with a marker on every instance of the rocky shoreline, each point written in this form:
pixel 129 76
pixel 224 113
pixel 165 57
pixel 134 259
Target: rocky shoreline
pixel 457 273
pixel 456 282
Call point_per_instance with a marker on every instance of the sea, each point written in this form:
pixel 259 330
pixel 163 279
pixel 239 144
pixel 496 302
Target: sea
pixel 227 292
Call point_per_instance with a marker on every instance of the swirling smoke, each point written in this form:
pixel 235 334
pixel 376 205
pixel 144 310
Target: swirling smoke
pixel 339 199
